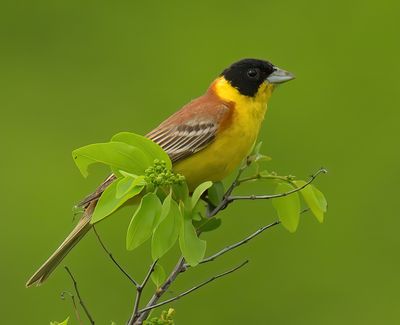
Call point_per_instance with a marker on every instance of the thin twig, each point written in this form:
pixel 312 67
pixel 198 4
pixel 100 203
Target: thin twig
pixel 240 243
pixel 142 315
pixel 79 296
pixel 192 289
pixel 274 196
pixel 228 198
pixel 139 290
pixel 78 317
pixel 147 277
pixel 135 283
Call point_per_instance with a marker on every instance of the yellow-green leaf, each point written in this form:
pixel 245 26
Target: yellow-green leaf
pixel 192 248
pixel 287 207
pixel 209 224
pixel 126 184
pixel 166 206
pixel 118 155
pixel 321 199
pixel 181 192
pixel 109 202
pixel 151 149
pixel 198 192
pixel 310 198
pixel 143 221
pixel 167 231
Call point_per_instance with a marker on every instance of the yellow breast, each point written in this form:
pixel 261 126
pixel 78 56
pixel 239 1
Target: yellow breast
pixel 232 144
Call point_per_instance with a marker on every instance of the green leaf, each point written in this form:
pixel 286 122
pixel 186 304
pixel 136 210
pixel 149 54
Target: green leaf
pixel 192 248
pixel 158 276
pixel 323 204
pixel 166 206
pixel 62 323
pixel 198 192
pixel 287 207
pixel 181 192
pixel 109 202
pixel 118 155
pixel 126 184
pixel 208 224
pixel 216 193
pixel 143 221
pixel 150 148
pixel 167 231
pixel 310 197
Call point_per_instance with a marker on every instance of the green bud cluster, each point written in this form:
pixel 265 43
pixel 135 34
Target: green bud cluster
pixel 160 175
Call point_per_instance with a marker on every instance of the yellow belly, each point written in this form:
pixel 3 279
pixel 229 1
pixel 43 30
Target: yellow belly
pixel 230 146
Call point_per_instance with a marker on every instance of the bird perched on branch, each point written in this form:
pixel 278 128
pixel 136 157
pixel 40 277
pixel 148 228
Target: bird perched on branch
pixel 206 139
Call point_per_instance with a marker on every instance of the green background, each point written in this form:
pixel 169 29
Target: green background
pixel 74 73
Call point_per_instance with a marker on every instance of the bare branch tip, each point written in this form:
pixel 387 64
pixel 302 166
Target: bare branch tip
pixel 322 170
pixel 244 263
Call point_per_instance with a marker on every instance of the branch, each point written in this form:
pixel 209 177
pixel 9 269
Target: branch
pixel 79 296
pixel 240 243
pixel 135 283
pixel 192 289
pixel 228 198
pixel 273 196
pixel 143 314
pixel 181 266
pixel 139 291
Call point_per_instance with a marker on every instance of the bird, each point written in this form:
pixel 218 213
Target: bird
pixel 206 140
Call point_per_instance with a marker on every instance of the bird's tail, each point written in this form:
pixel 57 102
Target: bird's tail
pixel 73 238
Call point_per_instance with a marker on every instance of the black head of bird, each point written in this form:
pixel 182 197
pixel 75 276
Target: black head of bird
pixel 248 75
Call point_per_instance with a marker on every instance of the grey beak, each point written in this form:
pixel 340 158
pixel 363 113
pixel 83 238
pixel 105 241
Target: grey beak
pixel 279 76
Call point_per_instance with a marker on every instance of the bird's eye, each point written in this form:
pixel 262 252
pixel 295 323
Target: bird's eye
pixel 252 73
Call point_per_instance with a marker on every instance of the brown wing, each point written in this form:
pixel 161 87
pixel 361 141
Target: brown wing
pixel 184 140
pixel 191 129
